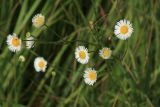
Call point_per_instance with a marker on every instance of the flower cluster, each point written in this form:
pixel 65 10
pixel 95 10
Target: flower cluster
pixel 123 30
pixel 82 56
pixel 15 44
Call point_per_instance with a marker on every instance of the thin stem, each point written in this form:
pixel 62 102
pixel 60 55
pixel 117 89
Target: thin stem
pixel 91 51
pixel 101 18
pixel 29 40
pixel 59 36
pixel 60 41
pixel 94 36
pixel 124 65
pixel 125 51
pixel 34 53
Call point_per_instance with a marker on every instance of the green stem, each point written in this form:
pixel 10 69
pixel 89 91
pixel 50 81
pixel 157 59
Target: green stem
pixel 59 36
pixel 60 42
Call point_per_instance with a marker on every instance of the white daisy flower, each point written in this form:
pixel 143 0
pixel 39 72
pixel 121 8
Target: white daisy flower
pixel 82 55
pixel 22 58
pixel 40 64
pixel 90 76
pixel 105 53
pixel 123 29
pixel 30 42
pixel 38 20
pixel 14 43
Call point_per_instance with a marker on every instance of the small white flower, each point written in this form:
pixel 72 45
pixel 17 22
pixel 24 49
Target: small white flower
pixel 22 58
pixel 40 64
pixel 82 55
pixel 123 29
pixel 14 43
pixel 30 42
pixel 90 76
pixel 105 53
pixel 38 20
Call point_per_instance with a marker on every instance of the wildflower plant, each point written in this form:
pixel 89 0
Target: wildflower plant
pixel 73 53
pixel 123 30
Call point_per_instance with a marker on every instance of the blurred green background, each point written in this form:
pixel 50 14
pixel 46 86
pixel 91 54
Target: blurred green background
pixel 131 78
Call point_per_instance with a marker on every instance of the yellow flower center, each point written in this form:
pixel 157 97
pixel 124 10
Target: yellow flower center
pixel 106 52
pixel 82 54
pixel 92 75
pixel 124 29
pixel 41 64
pixel 16 42
pixel 39 21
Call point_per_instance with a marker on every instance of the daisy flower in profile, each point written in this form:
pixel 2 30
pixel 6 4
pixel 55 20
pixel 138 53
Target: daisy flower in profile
pixel 30 42
pixel 14 43
pixel 40 64
pixel 81 54
pixel 90 76
pixel 105 53
pixel 38 20
pixel 123 29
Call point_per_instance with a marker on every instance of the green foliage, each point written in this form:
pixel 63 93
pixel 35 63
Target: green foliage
pixel 130 80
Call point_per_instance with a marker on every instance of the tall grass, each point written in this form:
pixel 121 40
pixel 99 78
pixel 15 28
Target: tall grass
pixel 130 78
